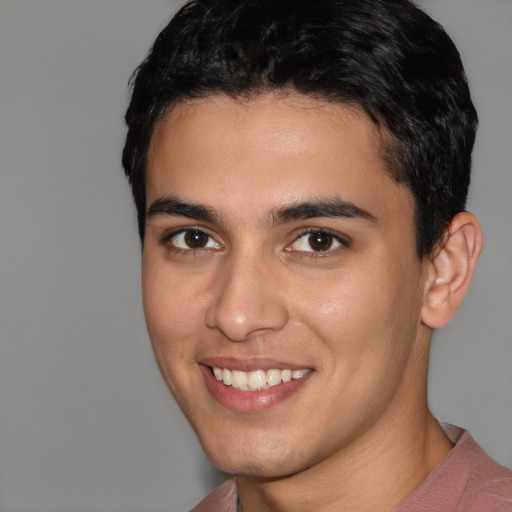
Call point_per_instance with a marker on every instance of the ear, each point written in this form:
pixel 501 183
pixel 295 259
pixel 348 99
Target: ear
pixel 451 269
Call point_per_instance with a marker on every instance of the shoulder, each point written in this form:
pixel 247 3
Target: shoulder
pixel 221 499
pixel 493 494
pixel 467 480
pixel 491 484
pixel 488 484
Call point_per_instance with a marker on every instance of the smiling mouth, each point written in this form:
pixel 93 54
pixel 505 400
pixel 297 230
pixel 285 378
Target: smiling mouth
pixel 257 380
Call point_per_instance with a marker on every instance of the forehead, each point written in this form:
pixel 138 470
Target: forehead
pixel 268 151
pixel 272 121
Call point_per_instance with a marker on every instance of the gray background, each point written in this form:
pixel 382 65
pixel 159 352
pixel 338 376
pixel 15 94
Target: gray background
pixel 86 424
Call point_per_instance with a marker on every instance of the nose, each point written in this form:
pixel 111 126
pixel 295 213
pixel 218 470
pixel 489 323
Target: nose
pixel 246 300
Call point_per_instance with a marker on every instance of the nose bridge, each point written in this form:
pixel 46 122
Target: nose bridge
pixel 246 298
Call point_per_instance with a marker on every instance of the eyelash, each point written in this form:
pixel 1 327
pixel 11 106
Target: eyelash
pixel 344 242
pixel 165 240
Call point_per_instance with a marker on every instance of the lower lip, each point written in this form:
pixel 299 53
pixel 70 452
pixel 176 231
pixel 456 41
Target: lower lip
pixel 251 401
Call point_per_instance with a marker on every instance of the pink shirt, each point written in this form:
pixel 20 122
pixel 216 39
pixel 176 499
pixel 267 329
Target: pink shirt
pixel 466 480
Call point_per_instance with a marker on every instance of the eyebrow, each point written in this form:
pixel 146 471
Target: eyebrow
pixel 330 207
pixel 170 205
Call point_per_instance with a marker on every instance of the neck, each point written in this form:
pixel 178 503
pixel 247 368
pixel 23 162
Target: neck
pixel 373 473
pixel 374 478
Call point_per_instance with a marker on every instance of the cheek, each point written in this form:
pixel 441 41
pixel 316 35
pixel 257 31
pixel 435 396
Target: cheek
pixel 172 309
pixel 366 327
pixel 174 317
pixel 362 312
pixel 337 304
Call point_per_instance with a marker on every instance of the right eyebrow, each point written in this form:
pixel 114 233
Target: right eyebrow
pixel 170 205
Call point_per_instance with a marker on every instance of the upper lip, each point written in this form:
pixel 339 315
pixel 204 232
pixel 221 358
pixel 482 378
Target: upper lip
pixel 248 365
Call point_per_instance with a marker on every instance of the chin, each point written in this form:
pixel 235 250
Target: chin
pixel 261 469
pixel 258 459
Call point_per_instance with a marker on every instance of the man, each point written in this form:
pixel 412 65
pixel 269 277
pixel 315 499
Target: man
pixel 300 171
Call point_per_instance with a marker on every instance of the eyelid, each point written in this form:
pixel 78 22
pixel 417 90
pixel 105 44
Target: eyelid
pixel 344 241
pixel 168 235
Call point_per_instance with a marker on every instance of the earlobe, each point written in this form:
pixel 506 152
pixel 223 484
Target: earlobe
pixel 451 270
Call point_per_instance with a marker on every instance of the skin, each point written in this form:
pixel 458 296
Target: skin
pixel 358 434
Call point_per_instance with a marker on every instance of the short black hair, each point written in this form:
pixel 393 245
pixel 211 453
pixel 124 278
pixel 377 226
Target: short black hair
pixel 386 56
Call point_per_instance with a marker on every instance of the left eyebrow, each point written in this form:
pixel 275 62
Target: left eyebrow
pixel 321 208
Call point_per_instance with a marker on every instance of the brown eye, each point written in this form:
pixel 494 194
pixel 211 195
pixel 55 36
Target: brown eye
pixel 196 239
pixel 320 241
pixel 317 241
pixel 191 240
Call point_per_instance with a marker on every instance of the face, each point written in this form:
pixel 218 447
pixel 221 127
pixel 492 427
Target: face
pixel 281 285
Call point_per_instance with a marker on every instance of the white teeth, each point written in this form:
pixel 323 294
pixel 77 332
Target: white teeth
pixel 226 377
pixel 257 379
pixel 238 379
pixel 273 377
